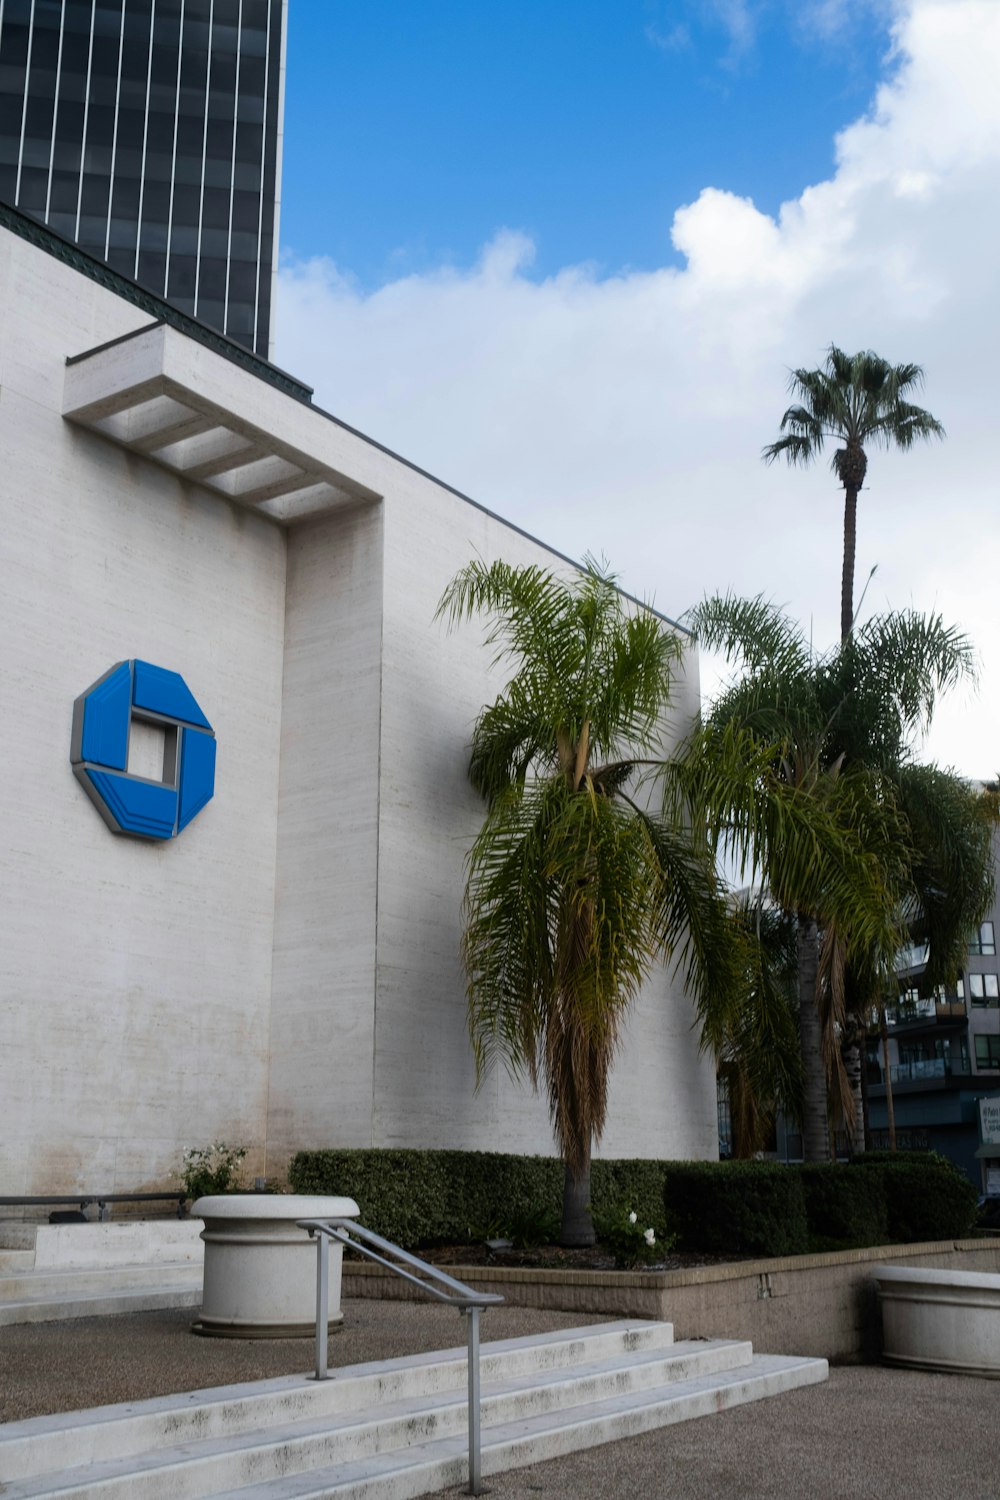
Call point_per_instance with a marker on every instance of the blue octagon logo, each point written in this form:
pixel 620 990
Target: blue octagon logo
pixel 102 723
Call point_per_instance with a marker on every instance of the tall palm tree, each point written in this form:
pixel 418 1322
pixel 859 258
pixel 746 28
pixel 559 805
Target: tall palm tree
pixel 859 401
pixel 841 728
pixel 574 886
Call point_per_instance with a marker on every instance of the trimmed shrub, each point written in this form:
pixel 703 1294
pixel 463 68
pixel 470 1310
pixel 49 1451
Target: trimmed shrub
pixel 988 1216
pixel 926 1196
pixel 636 1186
pixel 736 1207
pixel 432 1197
pixel 419 1198
pixel 928 1203
pixel 437 1197
pixel 845 1210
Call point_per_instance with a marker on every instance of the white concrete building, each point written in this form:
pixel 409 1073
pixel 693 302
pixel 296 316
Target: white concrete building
pixel 285 972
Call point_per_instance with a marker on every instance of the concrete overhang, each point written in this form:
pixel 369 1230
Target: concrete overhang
pixel 161 394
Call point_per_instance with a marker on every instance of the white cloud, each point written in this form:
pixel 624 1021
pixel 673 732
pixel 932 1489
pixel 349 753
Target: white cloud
pixel 739 21
pixel 625 414
pixel 675 38
pixel 829 20
pixel 816 22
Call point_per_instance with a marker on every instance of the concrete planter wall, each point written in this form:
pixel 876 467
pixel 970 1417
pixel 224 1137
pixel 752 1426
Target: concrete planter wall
pixel 828 1303
pixel 940 1319
pixel 260 1267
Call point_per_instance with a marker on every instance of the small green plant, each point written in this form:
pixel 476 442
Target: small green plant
pixel 493 1228
pixel 632 1245
pixel 209 1170
pixel 524 1227
pixel 535 1225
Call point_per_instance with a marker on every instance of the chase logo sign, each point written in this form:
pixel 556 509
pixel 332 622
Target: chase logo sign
pixel 137 693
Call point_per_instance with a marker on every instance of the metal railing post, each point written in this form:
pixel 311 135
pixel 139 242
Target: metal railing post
pixel 430 1279
pixel 475 1466
pixel 322 1305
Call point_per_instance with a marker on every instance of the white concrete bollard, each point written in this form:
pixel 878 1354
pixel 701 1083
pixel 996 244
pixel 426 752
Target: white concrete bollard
pixel 260 1267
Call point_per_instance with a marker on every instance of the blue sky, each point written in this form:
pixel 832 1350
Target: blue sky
pixel 414 129
pixel 563 256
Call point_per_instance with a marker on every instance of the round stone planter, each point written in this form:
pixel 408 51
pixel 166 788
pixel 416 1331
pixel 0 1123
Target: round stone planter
pixel 260 1268
pixel 941 1320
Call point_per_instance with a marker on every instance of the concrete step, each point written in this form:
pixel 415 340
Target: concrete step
pixel 105 1432
pixel 15 1262
pixel 93 1280
pixel 424 1468
pixel 98 1304
pixel 192 1470
pixel 17 1234
pixel 54 1271
pixel 396 1429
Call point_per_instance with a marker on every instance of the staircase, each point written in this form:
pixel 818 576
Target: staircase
pixel 49 1272
pixel 395 1429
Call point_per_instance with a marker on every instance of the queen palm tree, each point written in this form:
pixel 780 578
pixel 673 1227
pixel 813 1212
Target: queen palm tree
pixel 575 887
pixel 859 401
pixel 755 1037
pixel 879 691
pixel 819 842
pixel 841 728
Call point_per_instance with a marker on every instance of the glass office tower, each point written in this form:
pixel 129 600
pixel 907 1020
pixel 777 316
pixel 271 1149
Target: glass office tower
pixel 149 132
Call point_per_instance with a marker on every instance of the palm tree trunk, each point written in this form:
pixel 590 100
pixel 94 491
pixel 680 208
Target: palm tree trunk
pixel 854 1067
pixel 890 1108
pixel 577 1224
pixel 850 544
pixel 815 1112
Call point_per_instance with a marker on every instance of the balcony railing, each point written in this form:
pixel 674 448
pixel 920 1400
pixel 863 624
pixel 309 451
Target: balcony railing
pixel 930 1010
pixel 926 1070
pixel 913 956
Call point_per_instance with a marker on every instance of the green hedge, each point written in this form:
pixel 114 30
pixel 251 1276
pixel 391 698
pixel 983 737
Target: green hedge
pixel 763 1208
pixel 717 1208
pixel 736 1207
pixel 842 1210
pixel 440 1197
pixel 926 1196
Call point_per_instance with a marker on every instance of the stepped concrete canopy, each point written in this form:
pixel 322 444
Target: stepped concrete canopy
pixel 283 971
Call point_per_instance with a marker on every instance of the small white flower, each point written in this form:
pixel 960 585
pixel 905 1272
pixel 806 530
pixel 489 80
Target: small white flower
pixel 649 1237
pixel 632 1217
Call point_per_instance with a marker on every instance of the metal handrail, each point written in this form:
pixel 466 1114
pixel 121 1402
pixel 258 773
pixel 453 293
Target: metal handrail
pixel 101 1199
pixel 435 1282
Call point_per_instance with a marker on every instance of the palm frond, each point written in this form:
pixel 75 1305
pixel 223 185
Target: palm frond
pixel 855 399
pixel 889 675
pixel 755 1039
pixel 752 633
pixel 590 670
pixel 952 876
pixel 573 888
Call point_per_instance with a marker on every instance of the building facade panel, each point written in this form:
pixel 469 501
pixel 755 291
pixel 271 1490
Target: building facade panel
pixel 135 991
pixel 284 972
pixel 323 1001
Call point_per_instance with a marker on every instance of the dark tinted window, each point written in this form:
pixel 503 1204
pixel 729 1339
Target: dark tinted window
pixel 176 98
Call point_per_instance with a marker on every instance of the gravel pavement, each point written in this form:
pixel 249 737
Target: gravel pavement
pixel 867 1434
pixel 870 1433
